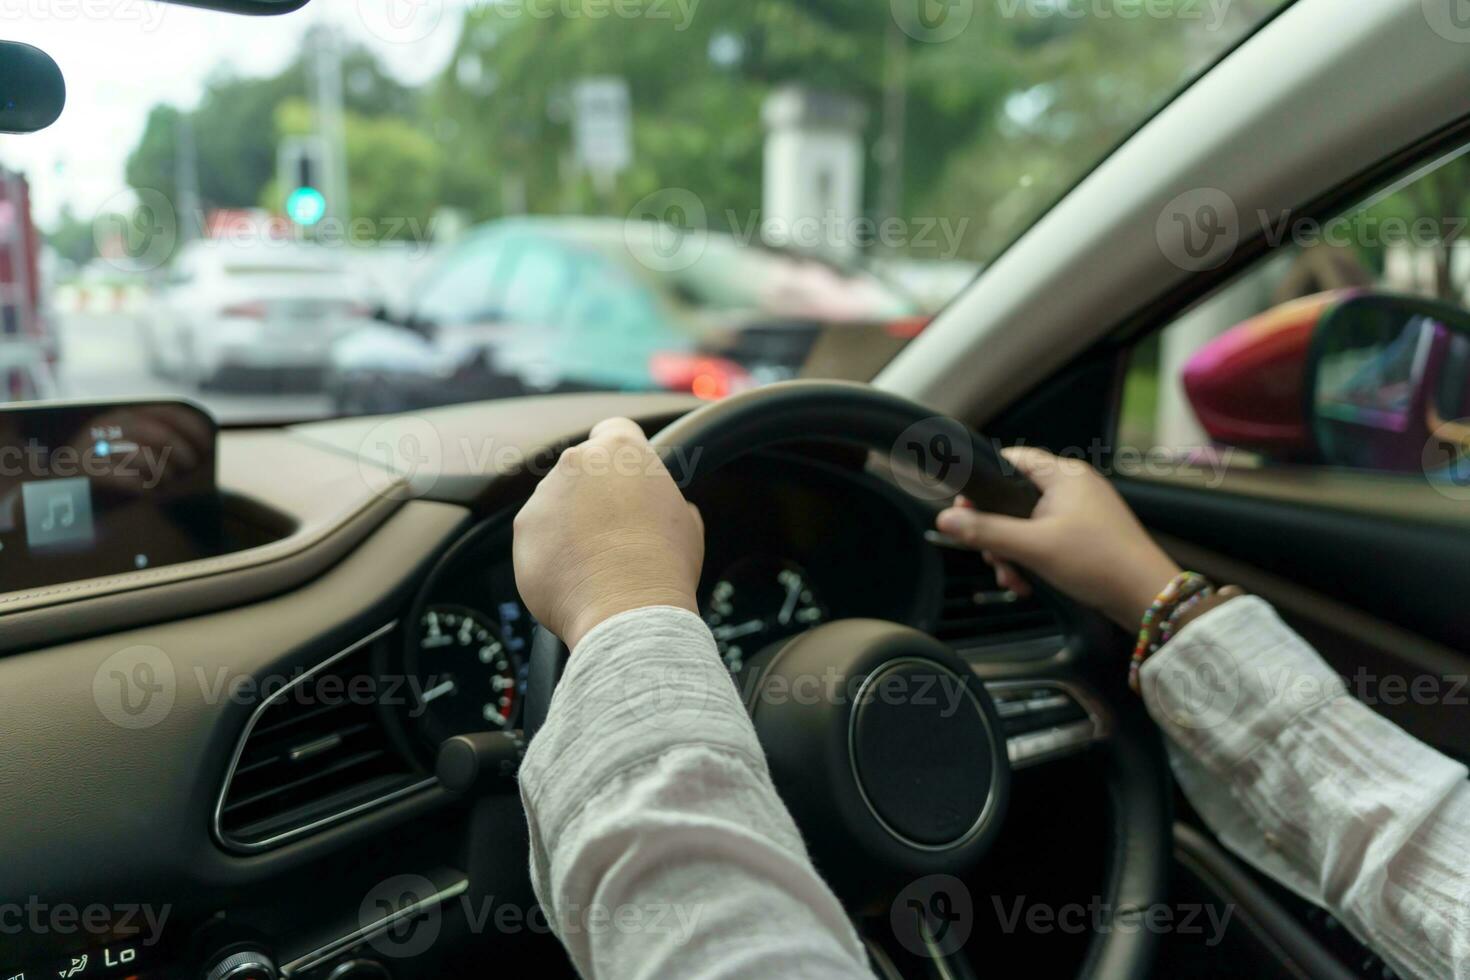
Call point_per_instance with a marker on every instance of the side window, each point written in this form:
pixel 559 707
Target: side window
pixel 466 288
pixel 1345 348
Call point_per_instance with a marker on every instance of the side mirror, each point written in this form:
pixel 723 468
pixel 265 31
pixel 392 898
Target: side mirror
pixel 1388 386
pixel 1248 386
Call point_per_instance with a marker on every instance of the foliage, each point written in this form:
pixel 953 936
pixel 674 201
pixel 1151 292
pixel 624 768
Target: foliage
pixel 72 238
pixel 393 170
pixel 234 129
pixel 998 122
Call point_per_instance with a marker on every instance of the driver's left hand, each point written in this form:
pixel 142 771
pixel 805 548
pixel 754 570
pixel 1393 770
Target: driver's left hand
pixel 605 532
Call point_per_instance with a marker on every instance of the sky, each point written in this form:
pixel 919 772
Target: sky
pixel 121 57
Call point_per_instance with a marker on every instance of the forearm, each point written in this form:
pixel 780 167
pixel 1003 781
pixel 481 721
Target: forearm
pixel 659 846
pixel 1315 788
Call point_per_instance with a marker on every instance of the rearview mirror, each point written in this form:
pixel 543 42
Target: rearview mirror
pixel 32 88
pixel 255 8
pixel 1388 380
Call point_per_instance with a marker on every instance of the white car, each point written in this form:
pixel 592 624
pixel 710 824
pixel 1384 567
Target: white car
pixel 260 311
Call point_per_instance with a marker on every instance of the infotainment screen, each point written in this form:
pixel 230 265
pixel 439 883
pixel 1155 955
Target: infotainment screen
pixel 88 490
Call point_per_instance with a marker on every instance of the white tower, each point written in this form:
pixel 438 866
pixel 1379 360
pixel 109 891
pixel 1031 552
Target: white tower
pixel 813 193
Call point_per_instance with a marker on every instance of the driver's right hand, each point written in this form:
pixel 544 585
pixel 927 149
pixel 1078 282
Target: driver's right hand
pixel 1081 539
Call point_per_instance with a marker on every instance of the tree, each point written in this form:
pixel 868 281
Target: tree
pixel 394 170
pixel 235 127
pixel 72 238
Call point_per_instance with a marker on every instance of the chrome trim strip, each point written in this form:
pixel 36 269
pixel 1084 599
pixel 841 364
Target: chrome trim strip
pixel 323 822
pixel 998 744
pixel 1089 703
pixel 323 953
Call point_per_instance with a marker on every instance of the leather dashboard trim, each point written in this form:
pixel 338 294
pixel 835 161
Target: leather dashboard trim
pixel 465 449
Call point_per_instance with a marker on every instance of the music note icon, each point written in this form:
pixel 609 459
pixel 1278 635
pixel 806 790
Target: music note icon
pixel 68 514
pixel 58 513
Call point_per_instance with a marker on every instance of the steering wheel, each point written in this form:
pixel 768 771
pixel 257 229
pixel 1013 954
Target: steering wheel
pixel 890 789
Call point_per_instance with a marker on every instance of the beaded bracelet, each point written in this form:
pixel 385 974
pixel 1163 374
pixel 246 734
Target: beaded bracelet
pixel 1183 588
pixel 1170 625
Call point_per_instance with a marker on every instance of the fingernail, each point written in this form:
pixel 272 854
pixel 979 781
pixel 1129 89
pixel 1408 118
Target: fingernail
pixel 949 521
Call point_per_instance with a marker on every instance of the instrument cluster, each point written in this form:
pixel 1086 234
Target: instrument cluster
pixel 791 543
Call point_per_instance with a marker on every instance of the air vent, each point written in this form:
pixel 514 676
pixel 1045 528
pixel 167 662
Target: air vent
pixel 977 612
pixel 315 753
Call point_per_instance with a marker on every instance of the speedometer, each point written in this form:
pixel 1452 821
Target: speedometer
pixel 758 601
pixel 468 677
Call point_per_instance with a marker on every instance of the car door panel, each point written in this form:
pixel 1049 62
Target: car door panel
pixel 1380 598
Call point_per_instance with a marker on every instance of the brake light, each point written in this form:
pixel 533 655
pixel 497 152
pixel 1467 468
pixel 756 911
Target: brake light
pixel 706 377
pixel 245 311
pixel 909 327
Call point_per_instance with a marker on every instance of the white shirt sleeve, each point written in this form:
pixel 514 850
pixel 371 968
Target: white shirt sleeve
pixel 1315 789
pixel 659 847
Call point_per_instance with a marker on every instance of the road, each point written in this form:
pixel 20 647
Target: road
pixel 102 357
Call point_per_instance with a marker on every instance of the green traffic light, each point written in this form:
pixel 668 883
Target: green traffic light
pixel 306 206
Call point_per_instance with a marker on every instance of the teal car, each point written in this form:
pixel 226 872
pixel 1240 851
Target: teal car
pixel 569 304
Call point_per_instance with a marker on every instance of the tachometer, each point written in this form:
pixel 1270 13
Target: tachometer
pixel 469 679
pixel 759 601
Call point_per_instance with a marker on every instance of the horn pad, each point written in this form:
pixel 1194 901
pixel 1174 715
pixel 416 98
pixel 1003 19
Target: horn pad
pixel 886 748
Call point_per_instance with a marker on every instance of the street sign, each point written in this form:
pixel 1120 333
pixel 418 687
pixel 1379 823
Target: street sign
pixel 602 125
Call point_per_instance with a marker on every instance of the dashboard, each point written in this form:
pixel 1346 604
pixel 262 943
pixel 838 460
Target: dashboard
pixel 240 749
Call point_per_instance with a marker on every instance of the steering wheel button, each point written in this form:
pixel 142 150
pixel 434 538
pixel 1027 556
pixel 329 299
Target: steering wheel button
pixel 1048 702
pixel 1012 709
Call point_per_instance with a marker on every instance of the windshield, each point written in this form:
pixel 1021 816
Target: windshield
pixel 384 205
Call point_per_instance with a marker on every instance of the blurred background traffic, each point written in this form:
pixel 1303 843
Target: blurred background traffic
pixel 381 206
